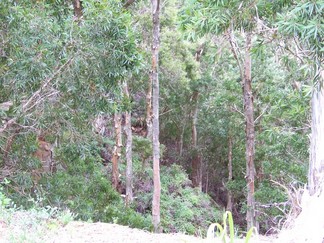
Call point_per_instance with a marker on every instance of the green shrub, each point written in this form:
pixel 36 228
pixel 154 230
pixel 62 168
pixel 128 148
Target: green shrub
pixel 183 208
pixel 84 188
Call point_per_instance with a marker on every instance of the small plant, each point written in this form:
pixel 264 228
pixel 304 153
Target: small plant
pixel 222 231
pixel 4 200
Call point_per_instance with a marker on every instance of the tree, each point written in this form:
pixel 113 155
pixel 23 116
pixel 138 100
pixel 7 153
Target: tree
pixel 155 113
pixel 305 21
pixel 235 15
pixel 128 146
pixel 196 161
pixel 117 149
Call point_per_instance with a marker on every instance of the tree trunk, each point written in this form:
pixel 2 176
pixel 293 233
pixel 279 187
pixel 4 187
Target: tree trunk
pixel 77 6
pixel 149 108
pixel 229 206
pixel 156 129
pixel 117 150
pixel 250 133
pixel 196 159
pixel 316 163
pixel 129 162
pixel 181 140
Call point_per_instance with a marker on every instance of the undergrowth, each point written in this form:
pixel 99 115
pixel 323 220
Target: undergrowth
pixel 32 225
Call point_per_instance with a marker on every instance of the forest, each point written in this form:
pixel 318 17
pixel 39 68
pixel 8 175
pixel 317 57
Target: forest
pixel 162 115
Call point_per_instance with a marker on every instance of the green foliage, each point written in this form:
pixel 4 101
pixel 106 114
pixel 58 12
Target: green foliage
pixel 4 200
pixel 305 20
pixel 183 209
pixel 84 188
pixel 142 146
pixel 69 71
pixel 222 231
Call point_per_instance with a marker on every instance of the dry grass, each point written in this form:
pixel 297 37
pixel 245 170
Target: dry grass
pixel 308 226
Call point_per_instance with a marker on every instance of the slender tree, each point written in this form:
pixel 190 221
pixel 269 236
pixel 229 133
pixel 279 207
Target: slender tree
pixel 249 133
pixel 155 108
pixel 304 21
pixel 229 206
pixel 117 150
pixel 196 163
pixel 77 6
pixel 129 142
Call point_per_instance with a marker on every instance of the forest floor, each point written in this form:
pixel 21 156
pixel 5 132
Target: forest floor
pixel 83 232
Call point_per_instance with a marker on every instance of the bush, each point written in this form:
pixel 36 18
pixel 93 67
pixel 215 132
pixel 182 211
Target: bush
pixel 183 208
pixel 85 189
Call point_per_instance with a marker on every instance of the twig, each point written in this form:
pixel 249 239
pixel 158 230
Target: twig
pixel 257 119
pixel 26 107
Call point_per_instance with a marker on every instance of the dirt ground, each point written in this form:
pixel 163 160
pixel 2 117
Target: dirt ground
pixel 24 228
pixel 81 232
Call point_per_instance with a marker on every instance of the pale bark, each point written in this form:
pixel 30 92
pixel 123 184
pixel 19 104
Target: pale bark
pixel 249 133
pixel 181 141
pixel 196 163
pixel 316 163
pixel 149 109
pixel 229 206
pixel 117 150
pixel 196 159
pixel 155 109
pixel 129 161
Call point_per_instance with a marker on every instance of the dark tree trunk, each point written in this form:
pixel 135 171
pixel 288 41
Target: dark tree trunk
pixel 77 6
pixel 155 106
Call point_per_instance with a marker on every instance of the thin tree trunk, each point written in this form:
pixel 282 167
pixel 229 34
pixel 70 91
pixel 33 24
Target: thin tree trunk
pixel 250 134
pixel 156 128
pixel 149 108
pixel 129 161
pixel 77 6
pixel 316 163
pixel 196 159
pixel 117 150
pixel 196 164
pixel 181 141
pixel 229 206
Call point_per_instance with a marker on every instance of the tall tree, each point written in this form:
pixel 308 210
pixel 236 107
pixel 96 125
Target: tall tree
pixel 305 21
pixel 196 162
pixel 229 206
pixel 155 109
pixel 129 143
pixel 196 158
pixel 117 149
pixel 244 18
pixel 249 132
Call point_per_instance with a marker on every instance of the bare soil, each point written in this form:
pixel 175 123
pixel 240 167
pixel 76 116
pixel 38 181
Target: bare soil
pixel 23 227
pixel 82 232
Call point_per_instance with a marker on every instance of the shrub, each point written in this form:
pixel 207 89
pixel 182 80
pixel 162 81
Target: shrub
pixel 183 208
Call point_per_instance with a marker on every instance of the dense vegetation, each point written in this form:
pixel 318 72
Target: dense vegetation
pixel 63 73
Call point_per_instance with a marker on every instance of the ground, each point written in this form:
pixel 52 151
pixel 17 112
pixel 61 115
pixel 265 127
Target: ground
pixel 83 232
